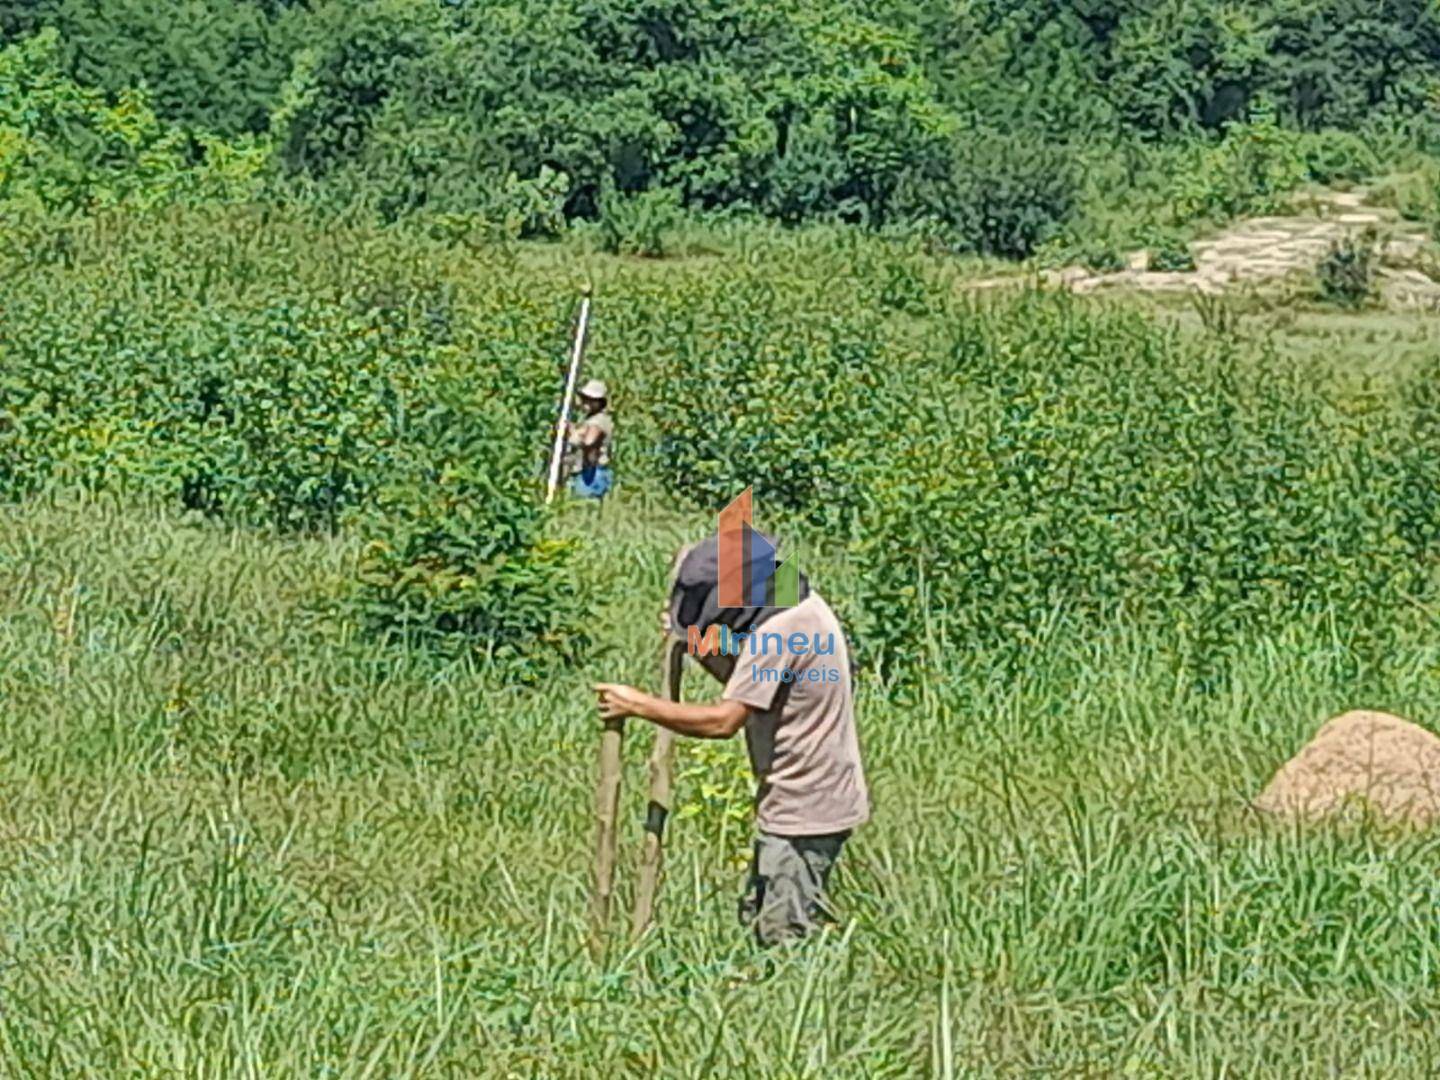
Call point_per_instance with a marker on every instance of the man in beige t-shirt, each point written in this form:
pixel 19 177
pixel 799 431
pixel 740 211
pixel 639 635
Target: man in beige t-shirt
pixel 787 684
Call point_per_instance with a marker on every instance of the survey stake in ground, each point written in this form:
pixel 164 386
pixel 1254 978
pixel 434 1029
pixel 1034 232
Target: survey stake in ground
pixel 563 423
pixel 799 728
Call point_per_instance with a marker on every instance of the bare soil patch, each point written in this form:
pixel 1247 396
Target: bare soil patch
pixel 1256 251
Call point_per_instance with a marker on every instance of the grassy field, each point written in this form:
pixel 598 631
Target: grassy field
pixel 297 729
pixel 239 842
pixel 244 837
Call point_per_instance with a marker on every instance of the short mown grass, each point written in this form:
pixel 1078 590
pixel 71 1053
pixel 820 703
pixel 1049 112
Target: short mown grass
pixel 236 840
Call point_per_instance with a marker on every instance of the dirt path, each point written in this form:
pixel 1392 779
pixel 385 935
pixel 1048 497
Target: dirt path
pixel 1256 251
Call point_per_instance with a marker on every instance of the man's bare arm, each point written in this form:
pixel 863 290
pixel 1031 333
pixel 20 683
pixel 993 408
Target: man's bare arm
pixel 583 433
pixel 719 720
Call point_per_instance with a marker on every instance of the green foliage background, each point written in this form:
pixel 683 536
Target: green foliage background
pixel 989 466
pixel 339 354
pixel 286 375
pixel 985 121
pixel 277 379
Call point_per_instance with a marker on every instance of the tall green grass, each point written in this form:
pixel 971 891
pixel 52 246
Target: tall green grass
pixel 239 840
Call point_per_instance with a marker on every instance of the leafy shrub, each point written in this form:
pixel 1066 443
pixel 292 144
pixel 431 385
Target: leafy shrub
pixel 317 379
pixel 1103 259
pixel 280 416
pixel 718 793
pixel 744 377
pixel 1094 468
pixel 896 277
pixel 355 63
pixel 457 555
pixel 1416 195
pixel 210 65
pixel 1002 194
pixel 1250 170
pixel 1345 274
pixel 532 208
pixel 638 224
pixel 736 424
pixel 64 147
pixel 1172 254
pixel 1338 157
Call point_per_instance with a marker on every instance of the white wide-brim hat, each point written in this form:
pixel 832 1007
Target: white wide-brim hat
pixel 594 389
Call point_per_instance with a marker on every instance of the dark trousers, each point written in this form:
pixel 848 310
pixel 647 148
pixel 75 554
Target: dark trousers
pixel 785 894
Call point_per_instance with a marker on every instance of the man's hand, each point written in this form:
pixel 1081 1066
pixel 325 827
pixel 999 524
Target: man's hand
pixel 615 702
pixel 718 721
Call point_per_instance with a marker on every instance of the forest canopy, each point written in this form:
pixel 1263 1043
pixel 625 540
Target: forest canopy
pixel 981 121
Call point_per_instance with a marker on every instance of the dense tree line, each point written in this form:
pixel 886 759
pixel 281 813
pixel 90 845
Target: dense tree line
pixel 792 109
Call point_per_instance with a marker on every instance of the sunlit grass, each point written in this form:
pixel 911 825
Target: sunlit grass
pixel 237 841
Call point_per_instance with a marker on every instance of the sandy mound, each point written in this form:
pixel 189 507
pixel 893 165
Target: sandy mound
pixel 1389 763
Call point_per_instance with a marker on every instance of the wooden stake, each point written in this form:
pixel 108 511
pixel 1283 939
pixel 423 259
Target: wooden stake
pixel 662 753
pixel 607 808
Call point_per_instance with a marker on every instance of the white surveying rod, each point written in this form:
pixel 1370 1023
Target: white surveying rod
pixel 559 448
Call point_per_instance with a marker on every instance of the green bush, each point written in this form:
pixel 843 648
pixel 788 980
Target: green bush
pixel 1343 157
pixel 1103 258
pixel 638 224
pixel 1171 254
pixel 65 147
pixel 281 415
pixel 902 286
pixel 1345 274
pixel 1249 171
pixel 755 391
pixel 355 75
pixel 457 556
pixel 1094 468
pixel 304 377
pixel 1002 194
pixel 1416 196
pixel 211 65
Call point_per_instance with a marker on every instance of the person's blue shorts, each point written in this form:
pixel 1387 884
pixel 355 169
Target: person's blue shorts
pixel 592 483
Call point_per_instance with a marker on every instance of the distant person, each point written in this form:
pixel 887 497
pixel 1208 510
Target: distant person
pixel 589 439
pixel 788 686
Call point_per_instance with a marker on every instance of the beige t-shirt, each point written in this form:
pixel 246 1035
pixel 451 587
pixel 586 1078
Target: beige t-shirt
pixel 794 674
